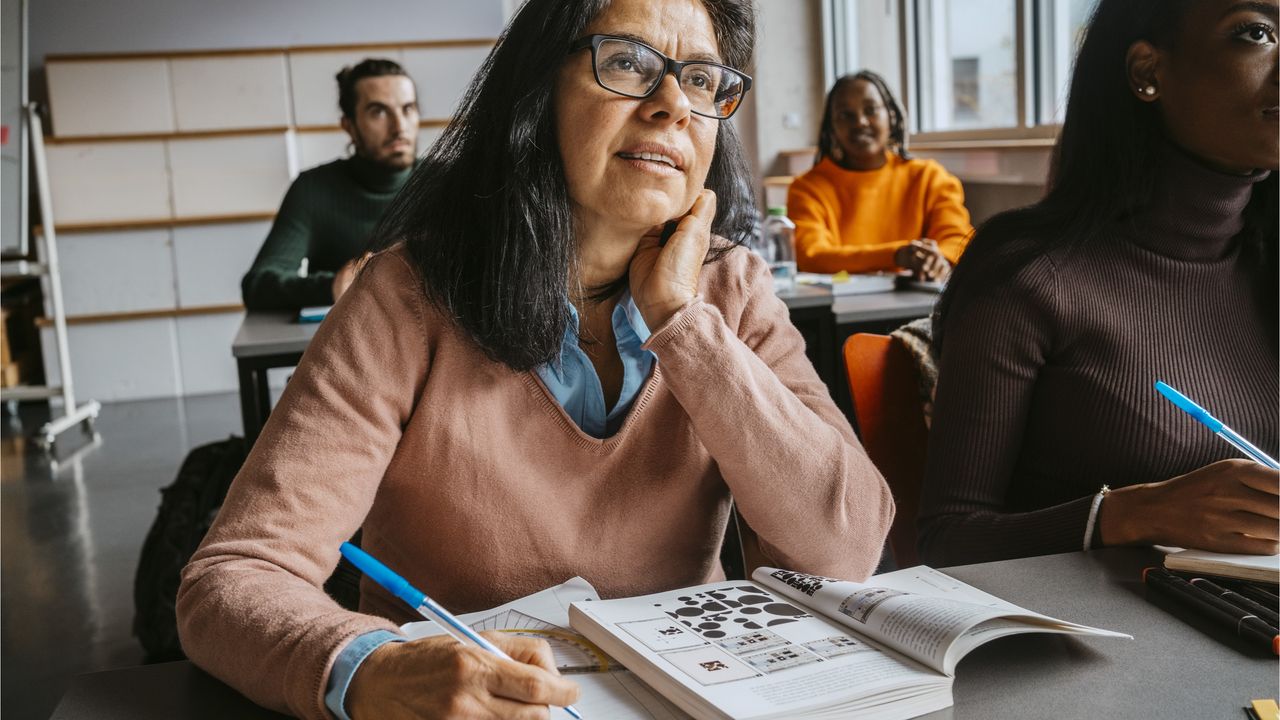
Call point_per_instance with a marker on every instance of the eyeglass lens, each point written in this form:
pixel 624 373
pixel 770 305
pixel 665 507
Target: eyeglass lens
pixel 632 69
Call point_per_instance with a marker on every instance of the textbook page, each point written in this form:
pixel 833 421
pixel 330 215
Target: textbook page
pixel 924 614
pixel 608 689
pixel 735 650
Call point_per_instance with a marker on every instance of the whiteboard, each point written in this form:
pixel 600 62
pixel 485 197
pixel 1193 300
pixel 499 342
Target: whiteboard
pixel 13 157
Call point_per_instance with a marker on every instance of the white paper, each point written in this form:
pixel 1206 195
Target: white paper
pixel 608 689
pixel 1249 567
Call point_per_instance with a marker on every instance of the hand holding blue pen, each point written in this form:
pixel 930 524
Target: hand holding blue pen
pixel 425 606
pixel 1184 403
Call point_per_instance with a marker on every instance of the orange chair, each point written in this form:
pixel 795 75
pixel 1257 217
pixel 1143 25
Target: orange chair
pixel 886 403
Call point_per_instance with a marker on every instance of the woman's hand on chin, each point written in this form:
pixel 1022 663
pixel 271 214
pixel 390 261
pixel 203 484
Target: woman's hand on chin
pixel 664 277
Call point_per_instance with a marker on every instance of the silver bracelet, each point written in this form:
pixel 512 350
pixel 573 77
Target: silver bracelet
pixel 1093 517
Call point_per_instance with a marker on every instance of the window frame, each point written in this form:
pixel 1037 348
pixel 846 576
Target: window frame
pixel 1035 79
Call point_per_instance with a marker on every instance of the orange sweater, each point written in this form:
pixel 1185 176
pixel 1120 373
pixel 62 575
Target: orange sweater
pixel 854 220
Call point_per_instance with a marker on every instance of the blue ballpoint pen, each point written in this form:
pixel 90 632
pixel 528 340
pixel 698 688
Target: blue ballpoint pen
pixel 1214 424
pixel 426 607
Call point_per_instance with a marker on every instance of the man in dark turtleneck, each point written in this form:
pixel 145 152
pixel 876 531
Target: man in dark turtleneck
pixel 329 211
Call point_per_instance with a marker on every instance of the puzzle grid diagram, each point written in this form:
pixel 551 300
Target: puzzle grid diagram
pixel 724 634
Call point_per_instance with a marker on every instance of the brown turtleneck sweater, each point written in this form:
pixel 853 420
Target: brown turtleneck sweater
pixel 1045 386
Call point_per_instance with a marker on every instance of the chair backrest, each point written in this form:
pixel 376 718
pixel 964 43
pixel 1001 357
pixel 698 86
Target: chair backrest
pixel 886 403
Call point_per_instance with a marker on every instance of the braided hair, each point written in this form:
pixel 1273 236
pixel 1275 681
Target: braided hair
pixel 897 120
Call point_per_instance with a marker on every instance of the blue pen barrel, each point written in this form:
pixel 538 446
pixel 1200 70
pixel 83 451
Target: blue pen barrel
pixel 1253 451
pixel 381 574
pixel 1220 429
pixel 426 607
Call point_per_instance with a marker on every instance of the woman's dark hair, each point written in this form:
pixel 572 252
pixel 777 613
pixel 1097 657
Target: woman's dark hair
pixel 350 75
pixel 897 121
pixel 487 218
pixel 1104 165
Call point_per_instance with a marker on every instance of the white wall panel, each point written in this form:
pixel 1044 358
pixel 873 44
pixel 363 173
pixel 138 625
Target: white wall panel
pixel 442 74
pixel 230 92
pixel 110 97
pixel 318 148
pixel 228 175
pixel 204 352
pixel 313 78
pixel 125 360
pixel 113 272
pixel 108 181
pixel 211 259
pixel 427 136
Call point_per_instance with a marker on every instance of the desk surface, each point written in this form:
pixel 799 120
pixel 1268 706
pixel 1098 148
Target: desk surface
pixel 805 296
pixel 1169 668
pixel 264 333
pixel 870 307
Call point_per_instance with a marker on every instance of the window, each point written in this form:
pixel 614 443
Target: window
pixel 1061 30
pixel 964 69
pixel 967 64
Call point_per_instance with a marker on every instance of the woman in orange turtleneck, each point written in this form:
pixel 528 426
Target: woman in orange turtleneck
pixel 868 205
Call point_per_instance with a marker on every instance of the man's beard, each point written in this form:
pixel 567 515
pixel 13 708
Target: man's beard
pixel 397 161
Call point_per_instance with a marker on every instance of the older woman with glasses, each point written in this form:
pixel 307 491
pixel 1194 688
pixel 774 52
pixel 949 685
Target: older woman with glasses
pixel 559 363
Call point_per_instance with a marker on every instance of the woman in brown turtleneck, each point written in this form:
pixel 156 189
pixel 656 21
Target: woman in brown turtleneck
pixel 1152 257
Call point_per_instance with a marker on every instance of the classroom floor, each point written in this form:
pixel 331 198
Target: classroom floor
pixel 70 538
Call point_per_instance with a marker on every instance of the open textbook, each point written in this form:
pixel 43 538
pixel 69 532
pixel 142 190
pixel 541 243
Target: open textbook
pixel 794 645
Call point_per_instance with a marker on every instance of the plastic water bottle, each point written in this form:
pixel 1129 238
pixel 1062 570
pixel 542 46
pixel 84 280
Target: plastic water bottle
pixel 779 248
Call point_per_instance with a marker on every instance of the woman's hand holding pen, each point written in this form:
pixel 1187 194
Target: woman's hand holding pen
pixel 438 677
pixel 664 277
pixel 1229 506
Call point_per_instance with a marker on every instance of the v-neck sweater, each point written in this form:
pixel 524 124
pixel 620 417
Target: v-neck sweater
pixel 1045 388
pixel 471 481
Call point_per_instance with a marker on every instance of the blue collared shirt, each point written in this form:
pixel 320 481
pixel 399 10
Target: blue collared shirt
pixel 573 381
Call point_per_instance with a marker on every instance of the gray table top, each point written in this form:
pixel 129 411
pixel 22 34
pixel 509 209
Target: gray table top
pixel 897 305
pixel 263 333
pixel 806 296
pixel 1169 669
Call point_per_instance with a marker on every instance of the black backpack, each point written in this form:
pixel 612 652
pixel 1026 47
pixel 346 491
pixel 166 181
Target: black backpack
pixel 187 509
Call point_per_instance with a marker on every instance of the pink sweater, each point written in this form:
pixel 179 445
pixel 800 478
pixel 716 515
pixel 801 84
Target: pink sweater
pixel 470 480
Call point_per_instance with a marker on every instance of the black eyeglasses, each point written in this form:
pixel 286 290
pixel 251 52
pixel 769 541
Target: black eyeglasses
pixel 634 69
